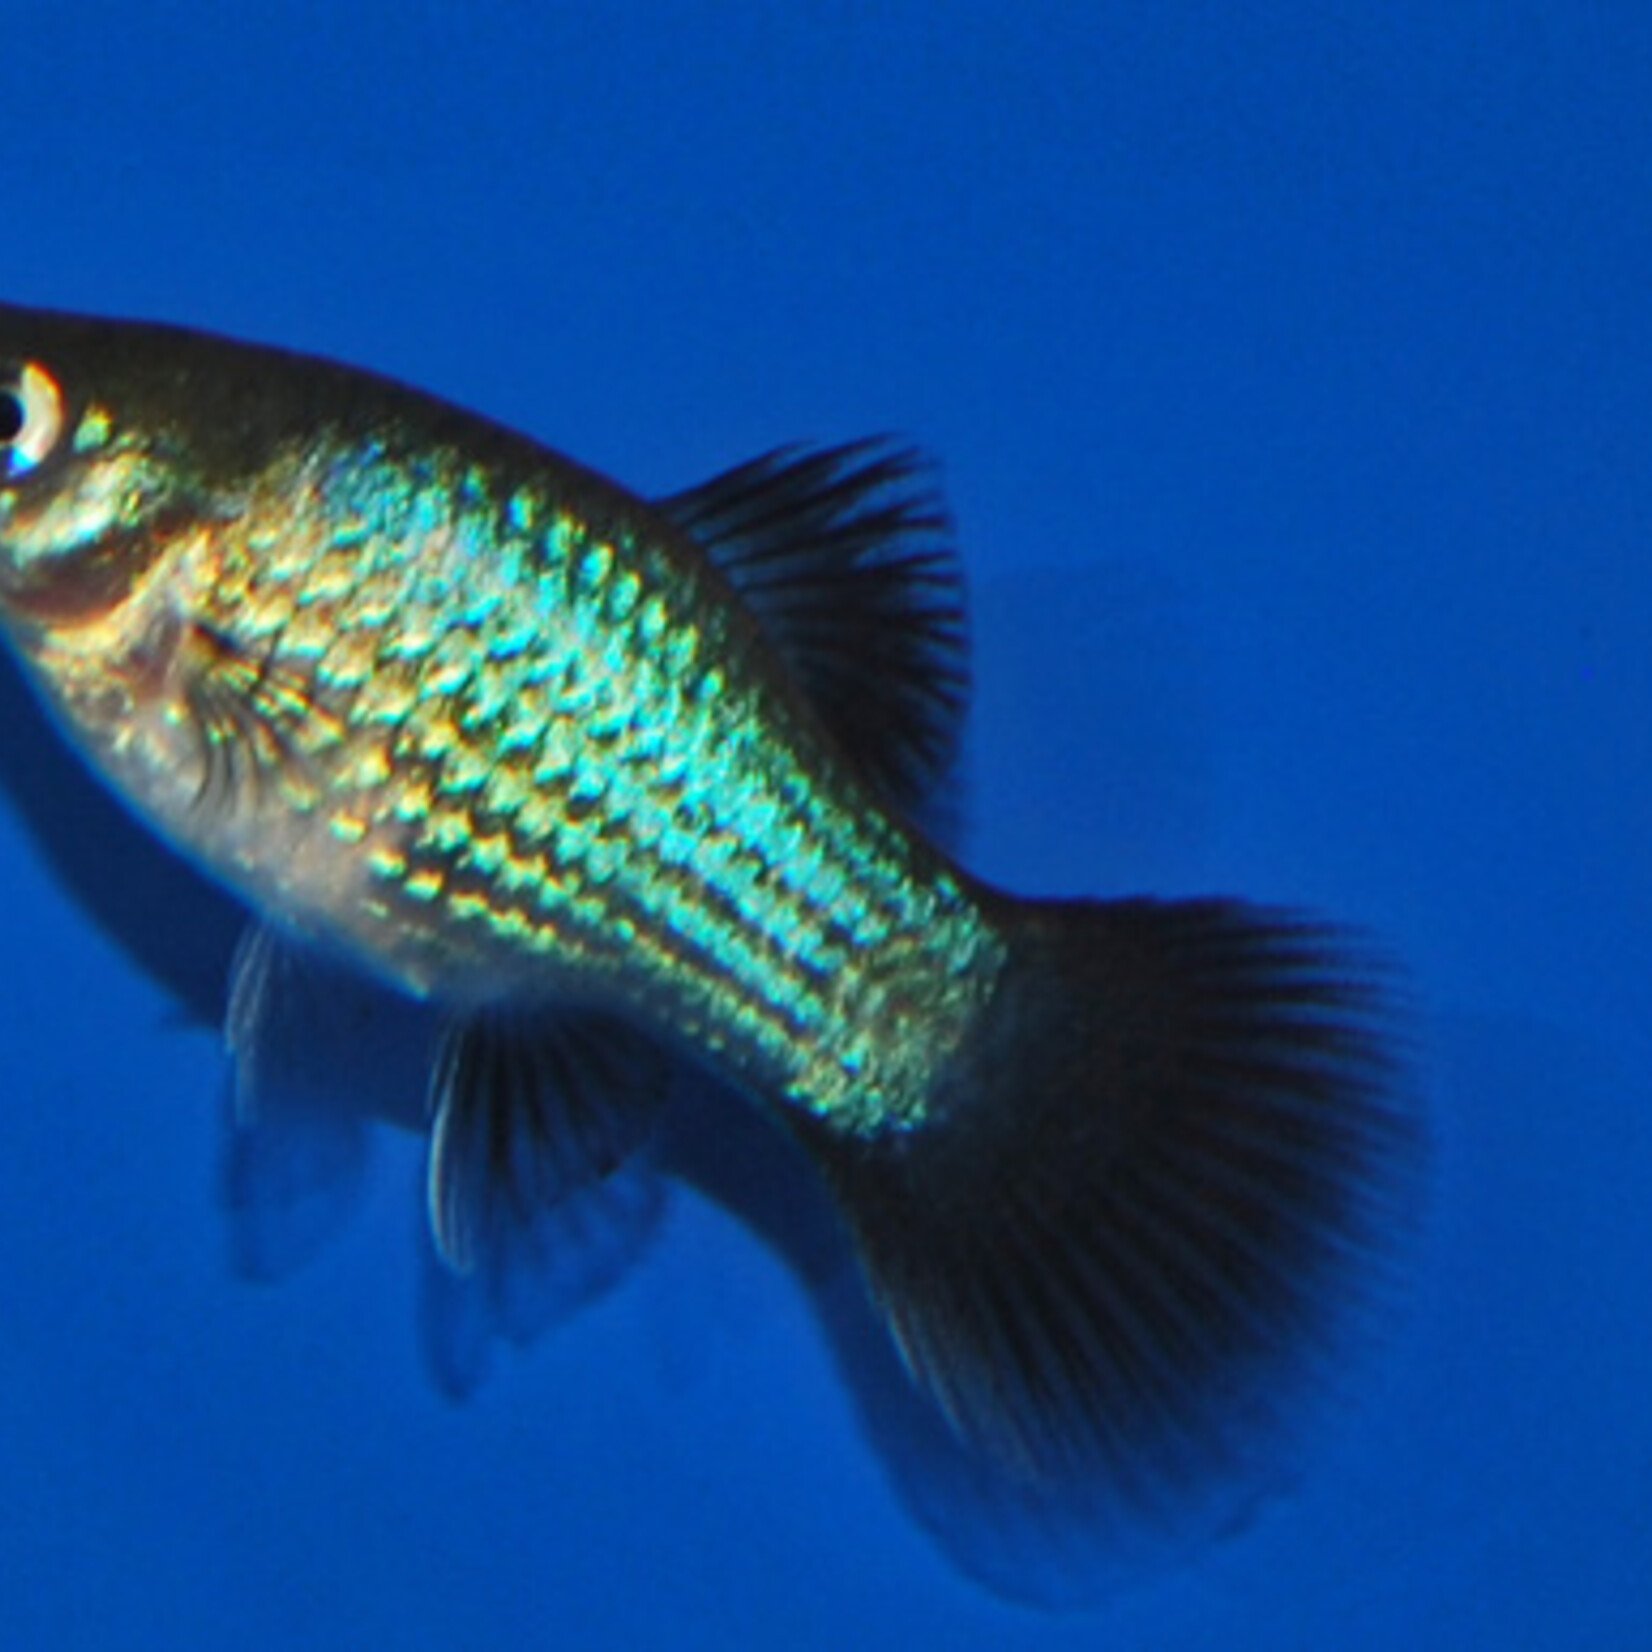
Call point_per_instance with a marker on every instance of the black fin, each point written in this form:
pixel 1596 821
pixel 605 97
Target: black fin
pixel 844 555
pixel 532 1274
pixel 1148 1191
pixel 526 1110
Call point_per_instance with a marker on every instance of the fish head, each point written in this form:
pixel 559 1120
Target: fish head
pixel 100 463
pixel 123 451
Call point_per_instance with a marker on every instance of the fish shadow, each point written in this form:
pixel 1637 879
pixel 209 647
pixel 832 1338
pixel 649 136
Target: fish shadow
pixel 178 927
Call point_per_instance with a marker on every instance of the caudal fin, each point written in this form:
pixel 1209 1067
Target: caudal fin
pixel 1151 1183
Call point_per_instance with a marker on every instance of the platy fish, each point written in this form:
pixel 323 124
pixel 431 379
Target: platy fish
pixel 617 782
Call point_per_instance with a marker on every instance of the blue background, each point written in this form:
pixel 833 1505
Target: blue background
pixel 1290 368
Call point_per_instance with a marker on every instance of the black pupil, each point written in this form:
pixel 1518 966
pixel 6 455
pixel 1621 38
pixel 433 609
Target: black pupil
pixel 12 416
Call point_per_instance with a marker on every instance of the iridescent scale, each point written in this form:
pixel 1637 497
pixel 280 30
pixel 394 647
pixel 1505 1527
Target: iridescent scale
pixel 559 756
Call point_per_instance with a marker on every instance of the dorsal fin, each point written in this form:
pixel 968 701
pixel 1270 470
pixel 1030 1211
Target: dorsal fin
pixel 845 556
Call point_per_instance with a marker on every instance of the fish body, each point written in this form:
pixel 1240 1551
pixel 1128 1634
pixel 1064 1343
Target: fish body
pixel 496 729
pixel 594 772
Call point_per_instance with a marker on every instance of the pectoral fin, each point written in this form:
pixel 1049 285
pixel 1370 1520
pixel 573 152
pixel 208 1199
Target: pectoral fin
pixel 252 717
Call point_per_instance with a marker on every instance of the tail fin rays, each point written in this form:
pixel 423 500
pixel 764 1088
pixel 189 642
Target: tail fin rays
pixel 1151 1184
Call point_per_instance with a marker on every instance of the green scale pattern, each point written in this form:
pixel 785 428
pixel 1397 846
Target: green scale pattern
pixel 563 755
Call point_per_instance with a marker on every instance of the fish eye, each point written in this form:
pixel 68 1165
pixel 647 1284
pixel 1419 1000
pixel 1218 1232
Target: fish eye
pixel 31 419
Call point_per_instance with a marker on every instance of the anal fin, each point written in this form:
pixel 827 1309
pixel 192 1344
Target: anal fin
pixel 535 1271
pixel 529 1109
